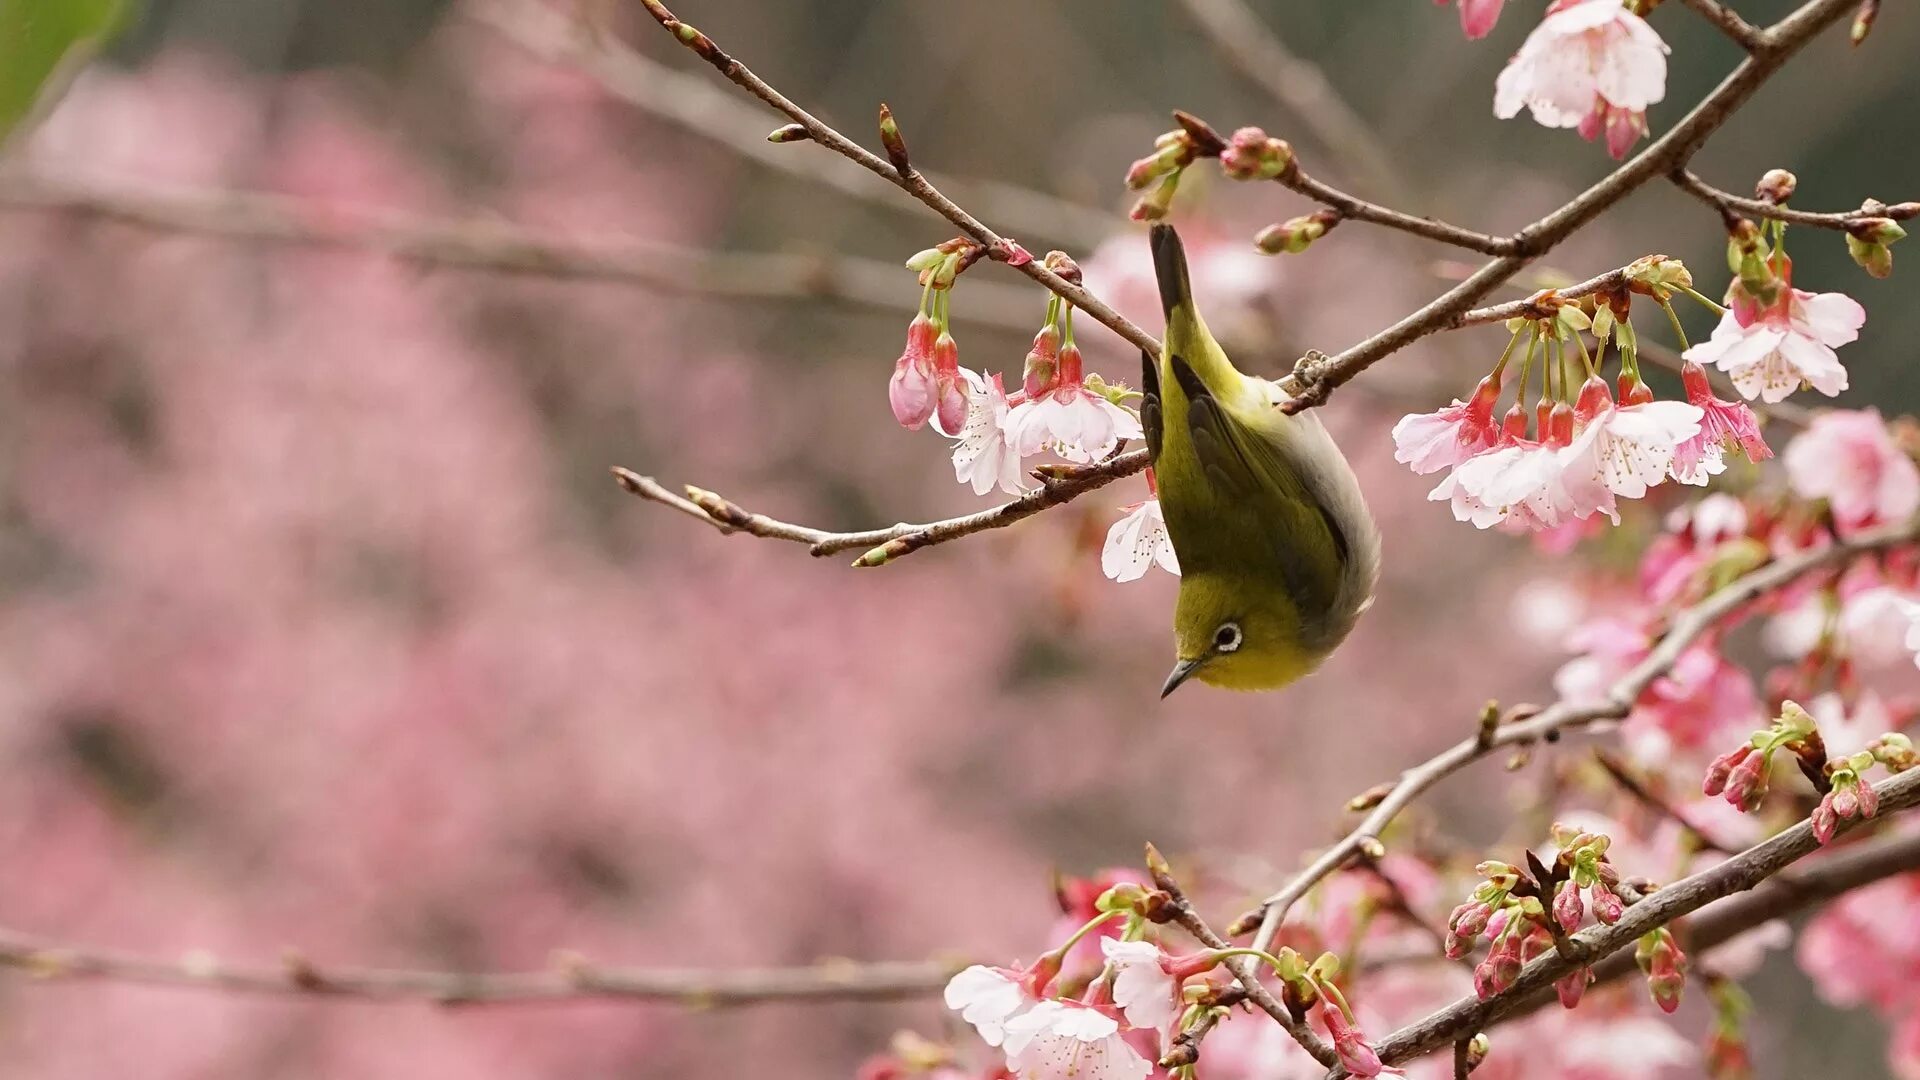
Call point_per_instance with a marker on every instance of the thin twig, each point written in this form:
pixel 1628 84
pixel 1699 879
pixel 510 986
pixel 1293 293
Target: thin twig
pixel 696 105
pixel 910 180
pixel 1726 201
pixel 1658 908
pixel 1686 628
pixel 499 247
pixel 1728 21
pixel 1315 378
pixel 1255 49
pixel 1244 969
pixel 888 544
pixel 1358 209
pixel 571 979
pixel 1623 775
pixel 1530 307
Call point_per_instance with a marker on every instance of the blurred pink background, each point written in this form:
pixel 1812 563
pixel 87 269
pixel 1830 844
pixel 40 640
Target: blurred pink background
pixel 325 627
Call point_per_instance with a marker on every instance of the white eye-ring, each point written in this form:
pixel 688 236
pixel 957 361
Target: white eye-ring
pixel 1227 638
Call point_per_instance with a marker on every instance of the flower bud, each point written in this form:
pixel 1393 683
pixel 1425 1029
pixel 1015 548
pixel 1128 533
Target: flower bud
pixel 787 133
pixel 1253 155
pixel 1572 986
pixel 1863 17
pixel 1747 784
pixel 1721 768
pixel 1869 798
pixel 1502 876
pixel 1632 390
pixel 911 390
pixel 1893 750
pixel 1295 235
pixel 1868 241
pixel 1154 204
pixel 1776 186
pixel 950 394
pixel 1568 908
pixel 1042 370
pixel 1607 905
pixel 1826 819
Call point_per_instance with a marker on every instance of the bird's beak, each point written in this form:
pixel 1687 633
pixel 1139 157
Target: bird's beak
pixel 1178 675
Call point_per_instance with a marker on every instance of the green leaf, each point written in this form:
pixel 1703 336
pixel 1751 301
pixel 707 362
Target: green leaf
pixel 42 44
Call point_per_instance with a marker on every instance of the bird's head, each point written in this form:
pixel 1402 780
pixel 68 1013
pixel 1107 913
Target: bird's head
pixel 1236 636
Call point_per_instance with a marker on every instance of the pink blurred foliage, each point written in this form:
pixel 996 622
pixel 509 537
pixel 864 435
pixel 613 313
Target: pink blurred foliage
pixel 325 628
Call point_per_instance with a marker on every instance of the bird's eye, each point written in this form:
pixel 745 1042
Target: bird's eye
pixel 1227 638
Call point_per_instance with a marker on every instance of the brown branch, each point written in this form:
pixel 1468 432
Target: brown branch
pixel 1728 21
pixel 1358 209
pixel 1256 51
pixel 1244 969
pixel 894 541
pixel 699 107
pixel 1660 907
pixel 1530 307
pixel 1315 378
pixel 1624 776
pixel 1728 203
pixel 571 979
pixel 1686 628
pixel 502 248
pixel 910 180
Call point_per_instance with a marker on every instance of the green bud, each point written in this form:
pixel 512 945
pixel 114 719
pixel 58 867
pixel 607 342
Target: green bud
pixel 788 133
pixel 1292 966
pixel 1126 896
pixel 1875 258
pixel 1795 720
pixel 1659 275
pixel 925 259
pixel 1154 204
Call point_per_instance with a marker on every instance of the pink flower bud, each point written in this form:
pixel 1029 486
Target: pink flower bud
pixel 1846 804
pixel 1747 784
pixel 1594 399
pixel 950 395
pixel 1825 821
pixel 1632 390
pixel 1568 908
pixel 1478 16
pixel 1721 768
pixel 1573 986
pixel 1869 798
pixel 1470 919
pixel 911 390
pixel 1042 370
pixel 1607 905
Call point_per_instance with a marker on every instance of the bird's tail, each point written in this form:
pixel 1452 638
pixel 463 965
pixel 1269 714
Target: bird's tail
pixel 1170 269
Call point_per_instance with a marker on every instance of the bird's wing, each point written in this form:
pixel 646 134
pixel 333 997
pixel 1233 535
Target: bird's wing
pixel 1255 481
pixel 1150 416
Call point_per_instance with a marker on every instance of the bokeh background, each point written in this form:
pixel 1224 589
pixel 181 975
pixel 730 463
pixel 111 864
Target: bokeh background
pixel 325 627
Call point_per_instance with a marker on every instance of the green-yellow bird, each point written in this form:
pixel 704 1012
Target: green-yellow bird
pixel 1278 554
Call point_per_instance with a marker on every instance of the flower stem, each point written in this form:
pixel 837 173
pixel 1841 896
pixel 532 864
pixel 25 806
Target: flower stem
pixel 1074 938
pixel 1585 358
pixel 1673 317
pixel 1705 302
pixel 1506 354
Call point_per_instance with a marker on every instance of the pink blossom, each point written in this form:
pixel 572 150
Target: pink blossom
pixel 1077 423
pixel 1771 352
pixel 1849 458
pixel 989 998
pixel 1587 58
pixel 1144 988
pixel 1864 948
pixel 1429 442
pixel 1069 1040
pixel 1477 16
pixel 1138 541
pixel 1625 449
pixel 1724 425
pixel 982 456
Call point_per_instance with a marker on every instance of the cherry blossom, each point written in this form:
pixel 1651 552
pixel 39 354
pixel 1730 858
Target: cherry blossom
pixel 1138 541
pixel 1146 992
pixel 1849 459
pixel 989 998
pixel 1590 64
pixel 1477 16
pixel 1429 442
pixel 1626 448
pixel 982 456
pixel 1350 1043
pixel 1070 1040
pixel 1078 423
pixel 1772 351
pixel 1724 425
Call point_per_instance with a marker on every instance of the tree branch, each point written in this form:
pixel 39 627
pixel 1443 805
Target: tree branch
pixel 1657 909
pixel 1728 203
pixel 895 541
pixel 697 106
pixel 1522 726
pixel 571 979
pixel 1728 21
pixel 503 248
pixel 1314 379
pixel 1357 209
pixel 1257 52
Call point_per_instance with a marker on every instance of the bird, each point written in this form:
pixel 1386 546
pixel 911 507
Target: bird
pixel 1278 552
